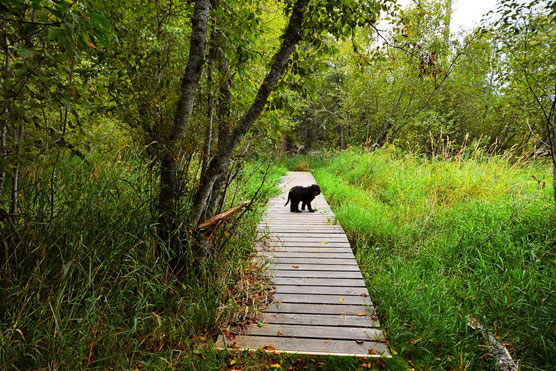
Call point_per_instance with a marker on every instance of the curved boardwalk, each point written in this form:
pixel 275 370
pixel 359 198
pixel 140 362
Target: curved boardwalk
pixel 321 303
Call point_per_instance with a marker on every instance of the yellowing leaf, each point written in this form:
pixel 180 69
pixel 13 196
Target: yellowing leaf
pixel 280 333
pixel 20 333
pixel 90 43
pixel 276 365
pixel 360 314
pixel 341 300
pixel 295 266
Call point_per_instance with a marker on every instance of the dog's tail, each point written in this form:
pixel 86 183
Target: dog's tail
pixel 288 199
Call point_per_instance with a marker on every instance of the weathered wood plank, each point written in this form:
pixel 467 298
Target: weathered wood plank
pixel 317 332
pixel 352 310
pixel 308 346
pixel 308 236
pixel 319 320
pixel 343 291
pixel 310 261
pixel 299 219
pixel 288 226
pixel 349 282
pixel 322 299
pixel 343 250
pixel 315 267
pixel 309 244
pixel 309 228
pixel 316 232
pixel 297 254
pixel 314 274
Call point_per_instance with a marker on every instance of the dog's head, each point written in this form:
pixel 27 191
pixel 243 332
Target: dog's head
pixel 315 190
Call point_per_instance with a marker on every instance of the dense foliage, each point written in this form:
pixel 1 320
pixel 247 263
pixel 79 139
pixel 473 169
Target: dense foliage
pixel 124 124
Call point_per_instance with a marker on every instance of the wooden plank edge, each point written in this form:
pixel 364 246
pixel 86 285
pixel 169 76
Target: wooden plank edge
pixel 278 351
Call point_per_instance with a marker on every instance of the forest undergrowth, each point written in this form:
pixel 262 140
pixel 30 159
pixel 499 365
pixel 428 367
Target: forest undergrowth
pixel 440 239
pixel 81 287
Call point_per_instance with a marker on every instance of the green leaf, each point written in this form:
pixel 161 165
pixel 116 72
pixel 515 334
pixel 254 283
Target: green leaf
pixel 24 52
pixel 100 19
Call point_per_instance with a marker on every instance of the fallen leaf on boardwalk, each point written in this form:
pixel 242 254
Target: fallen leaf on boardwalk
pixel 260 324
pixel 359 341
pixel 280 333
pixel 276 365
pixel 360 314
pixel 329 341
pixel 268 348
pixel 374 316
pixel 323 242
pixel 296 266
pixel 372 351
pixel 364 295
pixel 341 300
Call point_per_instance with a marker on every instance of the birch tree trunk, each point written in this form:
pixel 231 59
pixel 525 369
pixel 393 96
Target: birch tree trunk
pixel 189 83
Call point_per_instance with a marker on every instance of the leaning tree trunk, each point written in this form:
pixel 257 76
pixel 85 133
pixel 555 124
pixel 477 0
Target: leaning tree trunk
pixel 189 83
pixel 219 163
pixel 552 142
pixel 4 133
pixel 222 104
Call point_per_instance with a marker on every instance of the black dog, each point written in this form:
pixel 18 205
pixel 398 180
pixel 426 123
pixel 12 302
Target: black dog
pixel 304 195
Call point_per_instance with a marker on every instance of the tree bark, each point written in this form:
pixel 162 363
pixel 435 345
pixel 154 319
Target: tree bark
pixel 342 141
pixel 210 117
pixel 222 111
pixel 220 162
pixel 15 178
pixel 189 83
pixel 3 148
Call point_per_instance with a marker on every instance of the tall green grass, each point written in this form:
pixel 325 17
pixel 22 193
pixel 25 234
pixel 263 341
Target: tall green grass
pixel 84 290
pixel 439 239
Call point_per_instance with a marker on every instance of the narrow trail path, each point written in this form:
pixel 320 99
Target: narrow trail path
pixel 321 304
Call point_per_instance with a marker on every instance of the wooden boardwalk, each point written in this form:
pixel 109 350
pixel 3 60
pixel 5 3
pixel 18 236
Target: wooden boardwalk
pixel 321 304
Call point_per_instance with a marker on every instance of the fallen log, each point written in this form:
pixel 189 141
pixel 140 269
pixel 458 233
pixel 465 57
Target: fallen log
pixel 504 361
pixel 211 225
